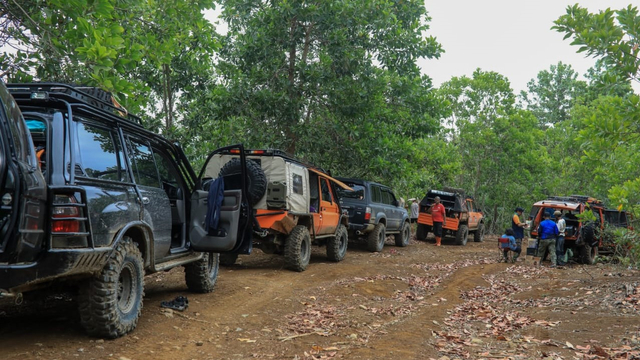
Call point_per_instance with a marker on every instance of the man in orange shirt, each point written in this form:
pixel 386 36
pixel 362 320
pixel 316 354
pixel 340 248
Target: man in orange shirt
pixel 438 215
pixel 518 226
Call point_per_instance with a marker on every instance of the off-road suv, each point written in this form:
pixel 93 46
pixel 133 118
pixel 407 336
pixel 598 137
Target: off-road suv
pixel 463 216
pixel 95 201
pixel 584 238
pixel 295 205
pixel 374 213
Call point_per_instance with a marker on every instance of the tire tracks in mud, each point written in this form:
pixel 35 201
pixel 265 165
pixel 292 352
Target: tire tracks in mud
pixel 410 338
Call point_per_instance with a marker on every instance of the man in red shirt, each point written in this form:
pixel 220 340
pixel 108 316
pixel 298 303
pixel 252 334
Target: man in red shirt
pixel 439 218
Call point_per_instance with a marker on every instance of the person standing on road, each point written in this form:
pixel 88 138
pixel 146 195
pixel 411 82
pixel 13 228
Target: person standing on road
pixel 562 226
pixel 548 232
pixel 439 217
pixel 518 226
pixel 414 211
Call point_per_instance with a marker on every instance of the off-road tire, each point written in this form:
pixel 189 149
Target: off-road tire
pixel 402 238
pixel 376 238
pixel 462 235
pixel 297 249
pixel 256 179
pixel 201 276
pixel 478 236
pixel 228 259
pixel 337 246
pixel 588 254
pixel 421 232
pixel 110 302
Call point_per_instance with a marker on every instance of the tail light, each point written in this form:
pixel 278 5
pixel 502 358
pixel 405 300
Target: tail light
pixel 367 214
pixel 65 218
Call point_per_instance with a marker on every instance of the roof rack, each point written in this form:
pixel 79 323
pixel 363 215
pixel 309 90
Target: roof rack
pixel 576 198
pixel 275 152
pixel 76 96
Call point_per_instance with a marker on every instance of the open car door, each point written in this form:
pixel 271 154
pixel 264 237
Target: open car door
pixel 220 212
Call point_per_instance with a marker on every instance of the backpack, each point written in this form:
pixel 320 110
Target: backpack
pixel 504 242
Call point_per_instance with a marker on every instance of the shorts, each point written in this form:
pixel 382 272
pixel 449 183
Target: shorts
pixel 437 229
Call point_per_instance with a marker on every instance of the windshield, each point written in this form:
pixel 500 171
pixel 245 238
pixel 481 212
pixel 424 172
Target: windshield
pixel 357 193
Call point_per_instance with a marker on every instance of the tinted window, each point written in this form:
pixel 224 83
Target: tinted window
pixel 358 192
pixel 168 173
pixel 376 195
pixel 143 163
pixel 387 198
pixel 100 154
pixel 326 193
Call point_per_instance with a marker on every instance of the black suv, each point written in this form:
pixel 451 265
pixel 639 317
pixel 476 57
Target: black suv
pixel 374 213
pixel 93 200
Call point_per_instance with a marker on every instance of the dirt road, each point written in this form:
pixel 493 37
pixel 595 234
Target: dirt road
pixel 418 302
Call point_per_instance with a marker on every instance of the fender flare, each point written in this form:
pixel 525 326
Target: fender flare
pixel 148 246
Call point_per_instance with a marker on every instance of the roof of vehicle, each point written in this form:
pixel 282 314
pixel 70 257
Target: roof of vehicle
pixel 359 181
pixel 273 152
pixel 557 204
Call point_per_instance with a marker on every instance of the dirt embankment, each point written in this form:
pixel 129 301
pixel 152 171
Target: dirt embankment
pixel 417 302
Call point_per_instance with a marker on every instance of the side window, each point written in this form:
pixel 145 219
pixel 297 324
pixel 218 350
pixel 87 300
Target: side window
pixel 386 197
pixel 326 193
pixel 143 163
pixel 168 174
pixel 100 154
pixel 392 197
pixel 376 195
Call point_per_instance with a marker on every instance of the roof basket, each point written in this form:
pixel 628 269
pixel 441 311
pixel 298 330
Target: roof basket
pixel 75 95
pixel 576 198
pixel 453 190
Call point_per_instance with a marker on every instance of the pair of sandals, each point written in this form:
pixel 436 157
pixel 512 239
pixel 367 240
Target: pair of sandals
pixel 180 303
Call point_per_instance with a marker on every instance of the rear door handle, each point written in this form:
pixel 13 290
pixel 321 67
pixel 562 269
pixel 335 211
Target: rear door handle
pixel 145 200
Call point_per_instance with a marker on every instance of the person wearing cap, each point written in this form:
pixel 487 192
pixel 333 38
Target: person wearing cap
pixel 562 225
pixel 518 226
pixel 548 232
pixel 439 217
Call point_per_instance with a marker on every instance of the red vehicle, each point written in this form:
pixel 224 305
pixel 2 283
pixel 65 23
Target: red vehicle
pixel 585 238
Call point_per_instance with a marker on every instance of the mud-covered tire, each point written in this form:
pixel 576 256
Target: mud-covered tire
pixel 337 246
pixel 297 249
pixel 588 254
pixel 421 232
pixel 478 236
pixel 228 259
pixel 402 238
pixel 462 235
pixel 111 301
pixel 376 238
pixel 201 276
pixel 256 179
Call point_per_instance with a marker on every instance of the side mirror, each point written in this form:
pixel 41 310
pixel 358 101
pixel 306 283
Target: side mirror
pixel 396 203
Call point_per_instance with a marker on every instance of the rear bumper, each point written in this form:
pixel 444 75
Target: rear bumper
pixel 54 264
pixel 363 228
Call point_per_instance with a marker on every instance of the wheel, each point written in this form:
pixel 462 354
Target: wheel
pixel 402 238
pixel 297 249
pixel 462 235
pixel 228 259
pixel 256 179
pixel 337 246
pixel 588 254
pixel 421 232
pixel 375 241
pixel 478 236
pixel 201 276
pixel 110 302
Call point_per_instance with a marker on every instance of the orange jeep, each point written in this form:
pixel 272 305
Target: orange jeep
pixel 463 216
pixel 293 205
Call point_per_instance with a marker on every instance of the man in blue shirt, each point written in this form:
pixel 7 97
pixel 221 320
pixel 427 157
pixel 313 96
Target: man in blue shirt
pixel 548 232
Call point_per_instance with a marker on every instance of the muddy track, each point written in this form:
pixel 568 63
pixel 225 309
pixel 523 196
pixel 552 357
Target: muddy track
pixel 369 306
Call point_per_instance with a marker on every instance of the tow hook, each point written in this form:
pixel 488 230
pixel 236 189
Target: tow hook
pixel 262 233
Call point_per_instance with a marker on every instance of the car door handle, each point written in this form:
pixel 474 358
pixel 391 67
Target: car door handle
pixel 145 200
pixel 324 209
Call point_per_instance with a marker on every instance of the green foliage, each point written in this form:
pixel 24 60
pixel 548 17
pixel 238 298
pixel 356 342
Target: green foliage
pixel 552 94
pixel 627 247
pixel 611 35
pixel 332 82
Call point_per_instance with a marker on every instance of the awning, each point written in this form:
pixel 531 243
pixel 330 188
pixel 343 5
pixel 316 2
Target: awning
pixel 336 181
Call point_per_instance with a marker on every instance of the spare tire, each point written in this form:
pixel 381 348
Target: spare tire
pixel 256 179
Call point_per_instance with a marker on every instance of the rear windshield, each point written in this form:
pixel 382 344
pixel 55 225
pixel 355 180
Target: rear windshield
pixel 357 193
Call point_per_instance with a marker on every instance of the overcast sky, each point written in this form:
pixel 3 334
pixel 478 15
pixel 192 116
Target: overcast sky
pixel 511 37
